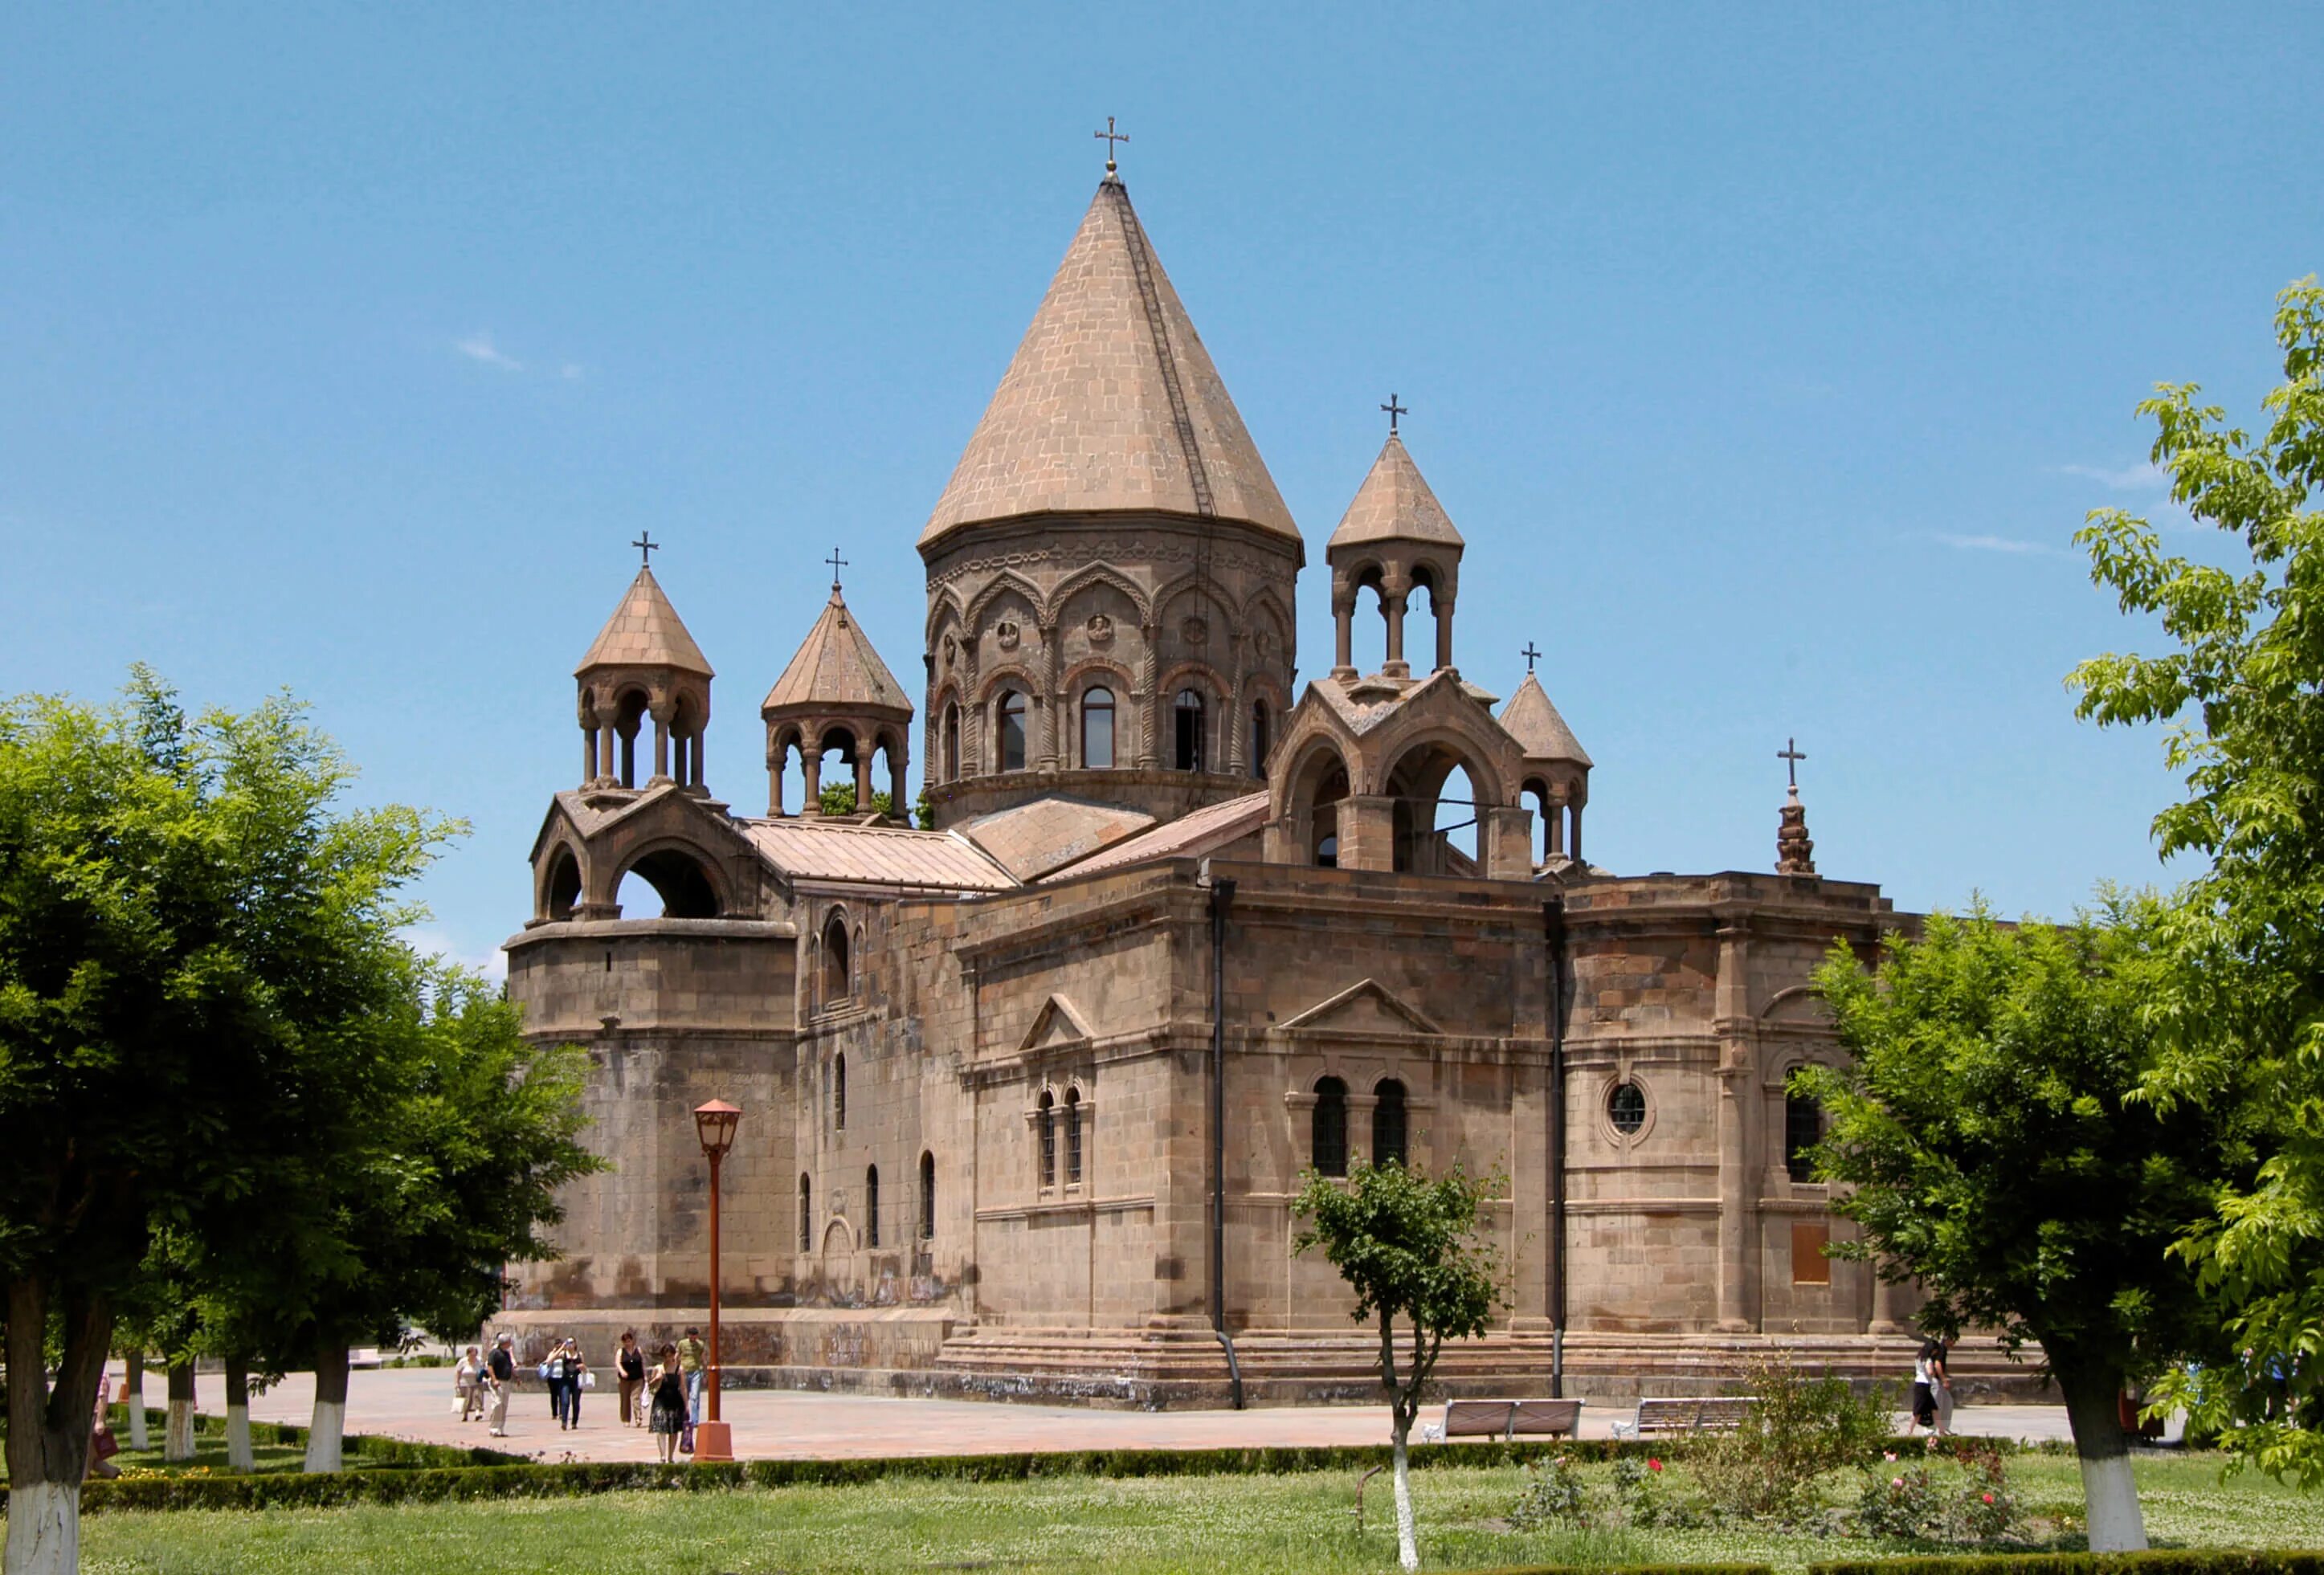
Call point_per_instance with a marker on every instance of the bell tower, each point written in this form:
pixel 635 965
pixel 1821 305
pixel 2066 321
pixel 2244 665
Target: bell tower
pixel 1395 539
pixel 643 667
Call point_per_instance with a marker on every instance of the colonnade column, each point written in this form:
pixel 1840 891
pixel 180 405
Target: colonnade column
pixel 1444 630
pixel 1739 1184
pixel 1343 634
pixel 660 715
pixel 811 771
pixel 1392 604
pixel 863 775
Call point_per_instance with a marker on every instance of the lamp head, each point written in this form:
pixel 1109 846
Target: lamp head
pixel 714 1124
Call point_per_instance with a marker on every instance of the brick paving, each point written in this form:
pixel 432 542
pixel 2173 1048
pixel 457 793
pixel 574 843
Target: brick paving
pixel 783 1424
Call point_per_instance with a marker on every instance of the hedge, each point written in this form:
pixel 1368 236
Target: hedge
pixel 373 1449
pixel 2162 1561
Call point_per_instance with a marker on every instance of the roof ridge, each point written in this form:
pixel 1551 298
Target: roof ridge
pixel 1158 328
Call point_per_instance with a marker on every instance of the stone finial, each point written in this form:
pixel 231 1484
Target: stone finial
pixel 1795 850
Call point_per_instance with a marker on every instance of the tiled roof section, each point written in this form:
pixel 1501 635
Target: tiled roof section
pixel 1363 704
pixel 1531 720
pixel 1189 836
pixel 645 632
pixel 874 855
pixel 1112 403
pixel 1394 504
pixel 1029 840
pixel 837 670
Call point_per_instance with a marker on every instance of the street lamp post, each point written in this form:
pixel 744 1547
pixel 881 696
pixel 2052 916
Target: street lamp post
pixel 713 1123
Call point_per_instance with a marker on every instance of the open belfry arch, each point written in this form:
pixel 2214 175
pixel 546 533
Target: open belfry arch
pixel 977 1058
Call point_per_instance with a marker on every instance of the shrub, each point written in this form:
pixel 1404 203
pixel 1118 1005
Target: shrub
pixel 1553 1496
pixel 1971 1503
pixel 1649 1500
pixel 1800 1428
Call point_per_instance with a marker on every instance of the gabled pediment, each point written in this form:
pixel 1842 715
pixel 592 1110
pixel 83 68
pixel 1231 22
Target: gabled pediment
pixel 1368 1007
pixel 1058 1023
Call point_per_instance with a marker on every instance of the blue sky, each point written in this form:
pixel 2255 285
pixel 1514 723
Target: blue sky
pixel 1766 358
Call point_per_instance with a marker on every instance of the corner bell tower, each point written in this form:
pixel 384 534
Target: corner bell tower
pixel 643 665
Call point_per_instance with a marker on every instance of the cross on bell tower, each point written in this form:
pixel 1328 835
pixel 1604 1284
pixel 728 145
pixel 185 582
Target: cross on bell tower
pixel 1795 850
pixel 1394 410
pixel 1110 136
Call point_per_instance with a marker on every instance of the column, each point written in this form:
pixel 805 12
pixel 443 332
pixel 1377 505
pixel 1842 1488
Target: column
pixel 774 783
pixel 1343 634
pixel 606 735
pixel 1891 1305
pixel 589 754
pixel 660 715
pixel 1150 718
pixel 1052 709
pixel 1443 606
pixel 863 775
pixel 811 769
pixel 1575 850
pixel 1739 1102
pixel 1367 834
pixel 1392 605
pixel 1553 812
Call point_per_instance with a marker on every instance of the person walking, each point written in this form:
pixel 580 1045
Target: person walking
pixel 669 1408
pixel 690 1354
pixel 468 1384
pixel 1928 1386
pixel 552 1374
pixel 629 1368
pixel 577 1379
pixel 500 1374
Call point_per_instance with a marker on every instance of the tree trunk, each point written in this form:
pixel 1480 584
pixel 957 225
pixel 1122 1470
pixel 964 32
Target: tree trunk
pixel 133 1397
pixel 1408 1544
pixel 2110 1494
pixel 327 1437
pixel 238 1456
pixel 49 1430
pixel 177 1433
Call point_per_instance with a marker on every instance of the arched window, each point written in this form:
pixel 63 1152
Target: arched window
pixel 564 885
pixel 838 975
pixel 1389 1145
pixel 1188 711
pixel 871 1205
pixel 1328 1130
pixel 1327 852
pixel 1803 1130
pixel 1260 739
pixel 806 1214
pixel 1625 1107
pixel 1008 741
pixel 1097 729
pixel 839 1093
pixel 1072 1137
pixel 952 743
pixel 928 1197
pixel 1045 1117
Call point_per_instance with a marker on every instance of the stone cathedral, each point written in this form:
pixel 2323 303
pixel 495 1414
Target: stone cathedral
pixel 1027 1094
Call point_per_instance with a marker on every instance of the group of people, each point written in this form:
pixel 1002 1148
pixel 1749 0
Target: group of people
pixel 662 1394
pixel 1933 1389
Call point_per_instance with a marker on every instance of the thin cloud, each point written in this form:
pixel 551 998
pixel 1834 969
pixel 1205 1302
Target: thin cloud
pixel 2002 544
pixel 479 346
pixel 2143 478
pixel 433 942
pixel 570 371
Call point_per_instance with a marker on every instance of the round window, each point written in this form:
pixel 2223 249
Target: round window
pixel 1627 1108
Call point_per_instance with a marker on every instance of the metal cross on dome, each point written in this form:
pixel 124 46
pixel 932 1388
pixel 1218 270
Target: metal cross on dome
pixel 836 563
pixel 1110 136
pixel 1530 655
pixel 1791 755
pixel 1394 410
pixel 645 544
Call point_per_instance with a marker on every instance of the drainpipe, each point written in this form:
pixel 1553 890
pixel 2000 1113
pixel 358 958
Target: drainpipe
pixel 1221 898
pixel 1552 919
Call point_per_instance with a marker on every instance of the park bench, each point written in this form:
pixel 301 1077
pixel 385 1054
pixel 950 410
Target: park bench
pixel 1505 1419
pixel 1703 1413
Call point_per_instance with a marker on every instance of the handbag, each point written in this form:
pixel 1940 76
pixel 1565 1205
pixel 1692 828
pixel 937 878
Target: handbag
pixel 588 1381
pixel 685 1438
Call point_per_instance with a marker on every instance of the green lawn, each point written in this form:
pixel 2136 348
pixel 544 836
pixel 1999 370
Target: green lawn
pixel 1118 1526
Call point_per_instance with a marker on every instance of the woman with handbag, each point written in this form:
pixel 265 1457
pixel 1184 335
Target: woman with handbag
pixel 668 1418
pixel 629 1368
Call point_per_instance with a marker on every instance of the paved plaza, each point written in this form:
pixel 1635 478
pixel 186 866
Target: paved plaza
pixel 415 1403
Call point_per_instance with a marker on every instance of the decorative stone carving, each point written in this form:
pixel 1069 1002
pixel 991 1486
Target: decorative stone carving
pixel 951 651
pixel 1795 851
pixel 1195 632
pixel 1100 628
pixel 1007 632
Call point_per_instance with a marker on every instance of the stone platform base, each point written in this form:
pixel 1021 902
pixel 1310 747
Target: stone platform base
pixel 927 1353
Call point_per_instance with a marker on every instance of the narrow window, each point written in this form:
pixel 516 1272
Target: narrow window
pixel 928 1197
pixel 1259 741
pixel 1327 853
pixel 871 1205
pixel 1328 1130
pixel 1072 1137
pixel 839 1093
pixel 1011 742
pixel 1389 1126
pixel 838 976
pixel 1625 1107
pixel 1803 1130
pixel 951 743
pixel 1188 709
pixel 1045 1118
pixel 1097 729
pixel 807 1213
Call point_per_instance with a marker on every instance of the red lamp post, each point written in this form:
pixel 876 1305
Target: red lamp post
pixel 713 1123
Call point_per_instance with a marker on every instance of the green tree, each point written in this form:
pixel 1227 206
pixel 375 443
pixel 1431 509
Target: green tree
pixel 838 798
pixel 1991 1143
pixel 1411 1249
pixel 2240 1015
pixel 188 918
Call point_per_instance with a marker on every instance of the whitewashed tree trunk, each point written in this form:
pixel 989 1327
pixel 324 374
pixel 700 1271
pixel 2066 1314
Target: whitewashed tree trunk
pixel 327 1437
pixel 43 1529
pixel 1407 1540
pixel 238 1456
pixel 177 1432
pixel 132 1395
pixel 2109 1492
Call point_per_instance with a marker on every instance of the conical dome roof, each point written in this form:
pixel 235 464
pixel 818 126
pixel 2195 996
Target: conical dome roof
pixel 1394 504
pixel 1540 731
pixel 1112 403
pixel 836 670
pixel 645 632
